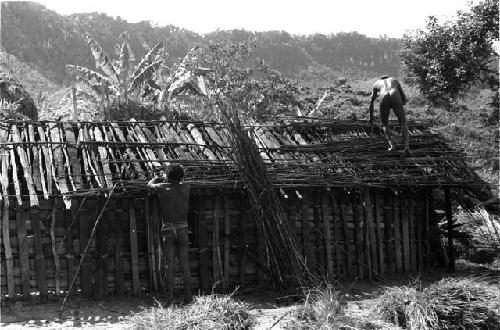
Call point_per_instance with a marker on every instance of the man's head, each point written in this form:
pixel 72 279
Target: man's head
pixel 175 173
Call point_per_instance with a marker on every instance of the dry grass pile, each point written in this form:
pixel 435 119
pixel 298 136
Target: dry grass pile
pixel 322 309
pixel 484 231
pixel 206 312
pixel 461 303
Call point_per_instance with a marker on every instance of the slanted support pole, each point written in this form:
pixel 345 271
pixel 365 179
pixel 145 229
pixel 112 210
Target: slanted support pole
pixel 449 217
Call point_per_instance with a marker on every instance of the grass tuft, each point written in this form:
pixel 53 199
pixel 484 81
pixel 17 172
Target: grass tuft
pixel 206 312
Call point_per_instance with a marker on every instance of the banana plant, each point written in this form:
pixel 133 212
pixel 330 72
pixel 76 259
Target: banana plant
pixel 118 78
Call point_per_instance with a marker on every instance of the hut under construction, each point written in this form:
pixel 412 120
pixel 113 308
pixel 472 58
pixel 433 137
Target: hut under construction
pixel 75 207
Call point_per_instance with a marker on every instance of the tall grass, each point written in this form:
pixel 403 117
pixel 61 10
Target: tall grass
pixel 461 303
pixel 206 312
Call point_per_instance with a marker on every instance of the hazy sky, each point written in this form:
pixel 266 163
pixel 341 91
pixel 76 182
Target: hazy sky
pixel 372 18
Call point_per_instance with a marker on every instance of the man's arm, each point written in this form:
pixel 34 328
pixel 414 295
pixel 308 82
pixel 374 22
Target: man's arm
pixel 374 96
pixel 156 182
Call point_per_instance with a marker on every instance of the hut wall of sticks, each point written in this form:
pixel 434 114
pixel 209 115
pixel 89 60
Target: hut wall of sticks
pixel 75 207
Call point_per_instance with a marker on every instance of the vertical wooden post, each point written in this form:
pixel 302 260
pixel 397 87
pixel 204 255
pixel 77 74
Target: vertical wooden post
pixel 319 239
pixel 406 231
pixel 370 231
pixel 217 272
pixel 379 221
pixel 149 238
pixel 134 250
pixel 243 219
pixel 70 255
pixel 388 217
pixel 201 220
pixel 98 274
pixel 336 226
pixel 358 230
pixel 328 237
pixel 449 217
pixel 119 278
pixel 304 211
pixel 9 263
pixel 23 250
pixel 397 233
pixel 428 217
pixel 345 233
pixel 227 243
pixel 85 280
pixel 412 231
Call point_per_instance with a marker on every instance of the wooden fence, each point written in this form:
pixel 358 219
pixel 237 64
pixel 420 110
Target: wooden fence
pixel 343 233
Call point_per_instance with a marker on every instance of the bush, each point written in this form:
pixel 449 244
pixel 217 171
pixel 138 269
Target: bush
pixel 448 304
pixel 206 312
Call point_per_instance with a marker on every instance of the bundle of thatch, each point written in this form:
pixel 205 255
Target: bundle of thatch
pixel 285 264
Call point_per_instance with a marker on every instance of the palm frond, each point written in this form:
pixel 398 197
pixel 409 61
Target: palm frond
pixel 146 74
pixel 102 60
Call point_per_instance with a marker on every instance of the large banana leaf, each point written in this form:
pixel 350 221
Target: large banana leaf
pixel 148 59
pixel 146 74
pixel 93 80
pixel 102 60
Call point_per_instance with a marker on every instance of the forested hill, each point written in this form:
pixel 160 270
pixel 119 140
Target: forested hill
pixel 49 41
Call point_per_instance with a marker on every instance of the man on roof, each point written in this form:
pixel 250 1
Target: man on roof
pixel 391 97
pixel 174 201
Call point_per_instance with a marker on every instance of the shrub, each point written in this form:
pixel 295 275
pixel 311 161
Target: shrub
pixel 206 312
pixel 463 303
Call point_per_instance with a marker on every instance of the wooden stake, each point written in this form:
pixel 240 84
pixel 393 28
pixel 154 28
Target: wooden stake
pixel 203 246
pixel 9 263
pixel 54 251
pixel 227 243
pixel 23 250
pixel 398 246
pixel 449 217
pixel 328 237
pixel 136 284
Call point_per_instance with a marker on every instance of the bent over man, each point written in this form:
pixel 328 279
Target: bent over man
pixel 174 201
pixel 391 97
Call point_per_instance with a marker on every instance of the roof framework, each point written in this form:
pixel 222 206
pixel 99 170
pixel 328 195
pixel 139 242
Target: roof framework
pixel 52 158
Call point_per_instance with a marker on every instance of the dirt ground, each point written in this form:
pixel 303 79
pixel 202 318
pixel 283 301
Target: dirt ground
pixel 270 310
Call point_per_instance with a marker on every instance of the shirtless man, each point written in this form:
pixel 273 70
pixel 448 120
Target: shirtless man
pixel 174 201
pixel 391 97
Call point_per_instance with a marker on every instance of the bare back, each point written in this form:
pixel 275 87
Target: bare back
pixel 174 202
pixel 387 86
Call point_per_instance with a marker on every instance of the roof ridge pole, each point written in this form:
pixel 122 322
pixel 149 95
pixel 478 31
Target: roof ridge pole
pixel 449 217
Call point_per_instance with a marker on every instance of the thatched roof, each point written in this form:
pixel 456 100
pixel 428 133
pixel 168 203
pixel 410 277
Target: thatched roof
pixel 78 158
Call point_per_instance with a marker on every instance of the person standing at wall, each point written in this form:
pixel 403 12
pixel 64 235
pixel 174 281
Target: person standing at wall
pixel 174 203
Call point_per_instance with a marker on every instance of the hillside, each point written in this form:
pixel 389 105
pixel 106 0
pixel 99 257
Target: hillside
pixel 49 41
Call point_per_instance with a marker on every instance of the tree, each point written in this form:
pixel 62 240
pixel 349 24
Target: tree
pixel 449 57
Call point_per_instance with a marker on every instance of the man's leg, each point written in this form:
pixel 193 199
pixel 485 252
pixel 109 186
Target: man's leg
pixel 400 113
pixel 183 250
pixel 384 119
pixel 169 250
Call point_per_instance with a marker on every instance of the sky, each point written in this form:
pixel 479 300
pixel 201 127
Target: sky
pixel 371 18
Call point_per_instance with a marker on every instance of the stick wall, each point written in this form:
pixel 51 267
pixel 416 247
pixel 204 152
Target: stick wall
pixel 344 234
